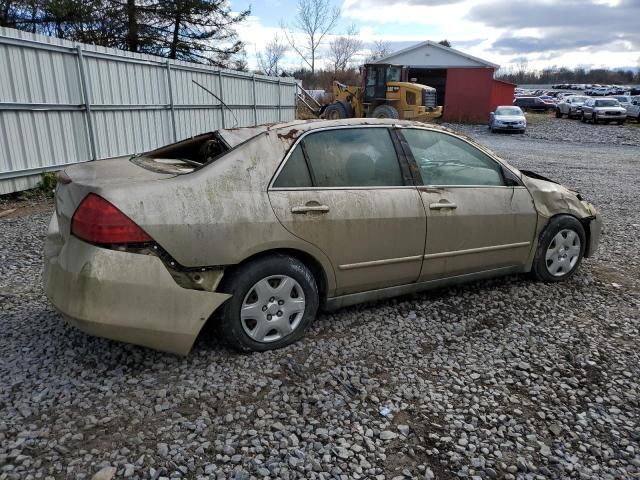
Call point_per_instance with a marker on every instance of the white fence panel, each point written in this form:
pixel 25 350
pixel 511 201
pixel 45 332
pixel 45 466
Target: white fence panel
pixel 63 102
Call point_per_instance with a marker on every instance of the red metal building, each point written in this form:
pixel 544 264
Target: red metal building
pixel 465 84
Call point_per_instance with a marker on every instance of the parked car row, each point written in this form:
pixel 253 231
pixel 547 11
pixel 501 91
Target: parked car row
pixel 606 109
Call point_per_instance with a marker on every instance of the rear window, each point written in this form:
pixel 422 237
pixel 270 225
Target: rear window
pixel 184 156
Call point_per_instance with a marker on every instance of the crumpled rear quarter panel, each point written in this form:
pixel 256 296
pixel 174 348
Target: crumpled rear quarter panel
pixel 125 296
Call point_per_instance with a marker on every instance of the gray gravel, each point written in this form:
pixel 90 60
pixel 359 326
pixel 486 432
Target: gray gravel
pixel 504 379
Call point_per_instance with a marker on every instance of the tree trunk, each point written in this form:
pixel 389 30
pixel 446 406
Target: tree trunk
pixel 176 34
pixel 133 39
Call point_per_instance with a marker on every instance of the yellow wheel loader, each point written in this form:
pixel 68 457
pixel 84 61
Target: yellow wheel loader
pixel 381 95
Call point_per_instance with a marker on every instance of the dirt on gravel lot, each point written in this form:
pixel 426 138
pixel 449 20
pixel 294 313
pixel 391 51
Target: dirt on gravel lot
pixel 506 379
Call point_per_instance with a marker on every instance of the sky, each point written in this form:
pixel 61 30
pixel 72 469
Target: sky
pixel 540 33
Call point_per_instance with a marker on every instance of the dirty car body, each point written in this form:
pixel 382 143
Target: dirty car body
pixel 257 228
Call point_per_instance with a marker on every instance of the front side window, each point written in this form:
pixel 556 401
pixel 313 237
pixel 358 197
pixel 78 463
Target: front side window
pixel 446 160
pixel 345 157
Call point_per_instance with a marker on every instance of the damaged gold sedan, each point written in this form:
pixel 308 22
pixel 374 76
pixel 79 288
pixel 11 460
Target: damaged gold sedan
pixel 258 228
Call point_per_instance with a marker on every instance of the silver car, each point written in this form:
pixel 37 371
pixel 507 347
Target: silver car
pixel 507 117
pixel 603 109
pixel 571 106
pixel 625 100
pixel 633 110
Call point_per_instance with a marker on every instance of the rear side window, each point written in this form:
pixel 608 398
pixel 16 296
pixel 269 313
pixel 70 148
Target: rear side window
pixel 346 157
pixel 295 173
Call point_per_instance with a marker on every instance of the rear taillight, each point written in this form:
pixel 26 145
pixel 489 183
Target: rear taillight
pixel 98 221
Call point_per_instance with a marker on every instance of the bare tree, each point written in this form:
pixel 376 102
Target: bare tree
pixel 379 49
pixel 314 20
pixel 269 58
pixel 343 48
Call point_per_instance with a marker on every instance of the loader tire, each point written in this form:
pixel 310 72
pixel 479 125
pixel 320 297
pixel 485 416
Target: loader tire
pixel 335 111
pixel 385 111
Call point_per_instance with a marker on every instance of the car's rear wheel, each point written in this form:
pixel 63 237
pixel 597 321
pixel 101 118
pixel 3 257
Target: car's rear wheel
pixel 560 249
pixel 274 300
pixel 558 113
pixel 583 119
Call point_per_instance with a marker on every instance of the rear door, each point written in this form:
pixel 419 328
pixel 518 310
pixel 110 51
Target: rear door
pixel 477 220
pixel 348 192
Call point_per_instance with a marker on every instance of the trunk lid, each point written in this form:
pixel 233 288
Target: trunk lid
pixel 77 181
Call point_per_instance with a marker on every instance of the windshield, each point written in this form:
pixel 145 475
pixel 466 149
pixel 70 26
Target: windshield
pixel 607 103
pixel 394 74
pixel 508 111
pixel 578 99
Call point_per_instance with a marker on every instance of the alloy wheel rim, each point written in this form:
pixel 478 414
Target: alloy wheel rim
pixel 563 253
pixel 272 309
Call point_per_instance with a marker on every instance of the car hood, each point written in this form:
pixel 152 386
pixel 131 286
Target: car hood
pixel 509 118
pixel 551 198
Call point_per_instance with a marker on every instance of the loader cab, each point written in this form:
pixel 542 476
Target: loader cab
pixel 375 78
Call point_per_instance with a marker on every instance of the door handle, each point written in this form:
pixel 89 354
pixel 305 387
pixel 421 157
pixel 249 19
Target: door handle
pixel 442 205
pixel 310 208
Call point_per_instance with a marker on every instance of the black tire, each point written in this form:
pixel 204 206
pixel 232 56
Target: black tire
pixel 583 119
pixel 620 122
pixel 241 283
pixel 594 118
pixel 556 225
pixel 385 111
pixel 558 113
pixel 335 111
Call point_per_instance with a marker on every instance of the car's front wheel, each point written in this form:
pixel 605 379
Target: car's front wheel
pixel 274 300
pixel 560 249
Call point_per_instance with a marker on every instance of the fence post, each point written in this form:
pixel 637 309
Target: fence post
pixel 171 104
pixel 279 102
pixel 255 102
pixel 221 98
pixel 86 95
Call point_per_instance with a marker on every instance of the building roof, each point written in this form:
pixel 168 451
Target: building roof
pixel 417 55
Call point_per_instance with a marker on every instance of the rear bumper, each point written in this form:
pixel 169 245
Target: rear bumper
pixel 124 296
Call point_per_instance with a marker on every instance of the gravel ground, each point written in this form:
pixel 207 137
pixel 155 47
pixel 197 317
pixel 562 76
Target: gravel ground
pixel 503 379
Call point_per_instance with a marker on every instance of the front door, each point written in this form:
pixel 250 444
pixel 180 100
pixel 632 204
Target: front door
pixel 476 219
pixel 345 191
